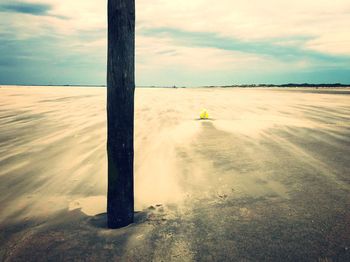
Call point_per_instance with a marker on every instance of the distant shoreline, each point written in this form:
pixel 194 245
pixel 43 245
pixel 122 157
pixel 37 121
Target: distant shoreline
pixel 290 85
pixel 336 85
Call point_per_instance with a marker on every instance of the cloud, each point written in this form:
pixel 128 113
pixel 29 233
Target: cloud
pixel 26 8
pixel 290 48
pixel 179 42
pixel 37 9
pixel 50 60
pixel 209 57
pixel 253 20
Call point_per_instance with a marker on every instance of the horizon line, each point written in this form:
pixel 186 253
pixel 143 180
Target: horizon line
pixel 186 86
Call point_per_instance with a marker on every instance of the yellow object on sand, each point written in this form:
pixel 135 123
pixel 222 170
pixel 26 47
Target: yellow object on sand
pixel 204 114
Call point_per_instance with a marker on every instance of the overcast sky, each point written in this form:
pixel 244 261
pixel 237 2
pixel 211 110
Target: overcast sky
pixel 182 42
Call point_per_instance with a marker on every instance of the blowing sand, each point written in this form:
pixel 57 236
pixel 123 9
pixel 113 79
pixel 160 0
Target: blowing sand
pixel 266 178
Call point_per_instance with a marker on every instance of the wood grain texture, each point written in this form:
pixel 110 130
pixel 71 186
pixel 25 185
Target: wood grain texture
pixel 120 112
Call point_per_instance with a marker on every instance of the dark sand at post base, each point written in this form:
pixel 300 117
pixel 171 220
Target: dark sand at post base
pixel 267 179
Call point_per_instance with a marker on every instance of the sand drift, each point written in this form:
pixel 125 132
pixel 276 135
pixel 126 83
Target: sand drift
pixel 212 189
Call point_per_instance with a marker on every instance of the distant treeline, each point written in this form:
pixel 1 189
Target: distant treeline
pixel 289 85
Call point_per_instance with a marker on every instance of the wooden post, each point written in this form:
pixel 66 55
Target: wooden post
pixel 120 112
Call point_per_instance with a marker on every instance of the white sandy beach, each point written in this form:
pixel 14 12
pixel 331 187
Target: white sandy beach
pixel 287 147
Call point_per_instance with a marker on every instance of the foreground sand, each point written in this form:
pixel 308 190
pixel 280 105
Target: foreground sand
pixel 266 179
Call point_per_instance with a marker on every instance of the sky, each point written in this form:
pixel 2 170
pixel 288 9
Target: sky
pixel 182 42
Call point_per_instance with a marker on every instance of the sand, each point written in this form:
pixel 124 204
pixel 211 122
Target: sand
pixel 265 179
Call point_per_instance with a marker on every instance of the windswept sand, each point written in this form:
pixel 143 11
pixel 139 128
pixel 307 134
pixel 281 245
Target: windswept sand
pixel 265 179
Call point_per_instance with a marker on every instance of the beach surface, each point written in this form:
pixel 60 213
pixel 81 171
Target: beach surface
pixel 266 178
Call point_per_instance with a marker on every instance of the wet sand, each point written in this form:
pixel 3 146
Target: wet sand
pixel 265 179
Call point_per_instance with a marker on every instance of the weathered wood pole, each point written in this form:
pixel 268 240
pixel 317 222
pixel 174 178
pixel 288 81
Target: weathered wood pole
pixel 120 112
